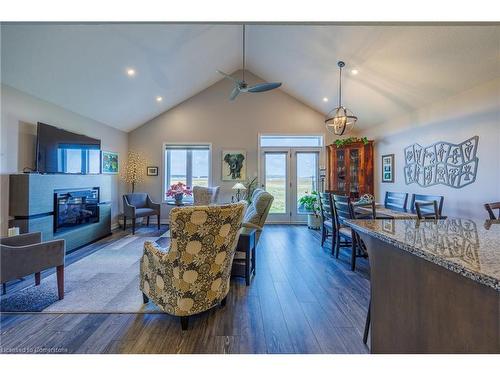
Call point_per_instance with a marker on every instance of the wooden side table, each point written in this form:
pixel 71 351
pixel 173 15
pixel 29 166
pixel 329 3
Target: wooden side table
pixel 246 245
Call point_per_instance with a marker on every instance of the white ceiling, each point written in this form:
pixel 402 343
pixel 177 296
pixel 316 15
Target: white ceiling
pixel 401 68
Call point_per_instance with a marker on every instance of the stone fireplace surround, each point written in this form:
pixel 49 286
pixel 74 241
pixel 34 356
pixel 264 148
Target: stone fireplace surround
pixel 31 204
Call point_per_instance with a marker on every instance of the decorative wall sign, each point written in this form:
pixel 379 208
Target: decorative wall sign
pixel 234 165
pixel 109 162
pixel 152 171
pixel 444 163
pixel 388 168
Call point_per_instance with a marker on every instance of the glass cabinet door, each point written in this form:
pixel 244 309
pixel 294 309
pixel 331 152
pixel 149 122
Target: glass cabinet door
pixel 341 170
pixel 354 170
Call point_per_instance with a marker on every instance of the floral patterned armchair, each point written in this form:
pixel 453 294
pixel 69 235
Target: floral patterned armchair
pixel 193 275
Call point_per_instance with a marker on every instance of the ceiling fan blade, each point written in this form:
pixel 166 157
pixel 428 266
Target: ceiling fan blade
pixel 234 93
pixel 228 76
pixel 260 87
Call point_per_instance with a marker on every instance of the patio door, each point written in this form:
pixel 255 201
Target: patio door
pixel 288 174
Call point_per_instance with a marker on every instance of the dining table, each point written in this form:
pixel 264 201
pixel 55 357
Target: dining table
pixel 382 212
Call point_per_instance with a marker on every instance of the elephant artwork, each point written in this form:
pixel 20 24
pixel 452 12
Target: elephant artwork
pixel 234 165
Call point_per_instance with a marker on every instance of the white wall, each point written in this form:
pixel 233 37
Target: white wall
pixel 210 117
pixel 474 112
pixel 20 113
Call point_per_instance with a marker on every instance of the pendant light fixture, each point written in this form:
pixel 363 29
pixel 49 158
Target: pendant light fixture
pixel 340 119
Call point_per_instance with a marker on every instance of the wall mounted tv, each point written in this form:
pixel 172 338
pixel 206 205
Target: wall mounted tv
pixel 60 151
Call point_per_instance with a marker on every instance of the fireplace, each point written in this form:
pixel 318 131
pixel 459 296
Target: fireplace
pixel 75 207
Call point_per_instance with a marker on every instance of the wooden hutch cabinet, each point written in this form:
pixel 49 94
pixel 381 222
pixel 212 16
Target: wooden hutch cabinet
pixel 350 169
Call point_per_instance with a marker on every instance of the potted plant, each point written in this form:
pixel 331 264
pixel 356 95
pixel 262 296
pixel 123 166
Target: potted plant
pixel 177 192
pixel 310 203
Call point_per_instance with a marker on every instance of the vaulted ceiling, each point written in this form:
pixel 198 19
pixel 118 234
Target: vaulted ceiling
pixel 82 67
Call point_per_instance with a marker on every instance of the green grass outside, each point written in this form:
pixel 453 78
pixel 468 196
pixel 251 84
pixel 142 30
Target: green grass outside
pixel 275 186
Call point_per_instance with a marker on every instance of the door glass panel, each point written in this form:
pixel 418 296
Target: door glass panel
pixel 307 176
pixel 341 172
pixel 276 180
pixel 354 163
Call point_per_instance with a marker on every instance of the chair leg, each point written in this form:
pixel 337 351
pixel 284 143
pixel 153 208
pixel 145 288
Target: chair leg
pixel 4 288
pixel 133 226
pixel 353 252
pixel 184 322
pixel 158 221
pixel 323 235
pixel 124 222
pixel 60 281
pixel 337 245
pixel 37 278
pixel 145 298
pixel 223 302
pixel 367 323
pixel 147 222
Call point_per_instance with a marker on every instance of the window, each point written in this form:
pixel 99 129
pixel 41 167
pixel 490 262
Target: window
pixel 189 164
pixel 291 141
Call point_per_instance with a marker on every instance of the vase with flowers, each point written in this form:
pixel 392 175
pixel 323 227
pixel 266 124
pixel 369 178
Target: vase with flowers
pixel 177 191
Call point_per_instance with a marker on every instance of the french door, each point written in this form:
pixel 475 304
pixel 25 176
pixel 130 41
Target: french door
pixel 288 174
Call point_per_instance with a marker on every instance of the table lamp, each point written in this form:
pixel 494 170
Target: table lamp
pixel 238 187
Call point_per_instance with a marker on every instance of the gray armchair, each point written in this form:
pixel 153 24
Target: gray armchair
pixel 26 254
pixel 257 211
pixel 137 205
pixel 203 196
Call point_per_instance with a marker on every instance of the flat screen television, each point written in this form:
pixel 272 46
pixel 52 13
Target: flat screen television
pixel 61 151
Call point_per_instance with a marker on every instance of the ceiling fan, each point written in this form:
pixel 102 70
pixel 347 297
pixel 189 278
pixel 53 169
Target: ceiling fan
pixel 242 86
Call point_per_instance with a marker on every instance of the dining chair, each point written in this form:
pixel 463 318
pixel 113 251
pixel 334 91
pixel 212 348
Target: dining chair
pixel 344 235
pixel 396 201
pixel 327 220
pixel 425 199
pixel 490 207
pixel 427 210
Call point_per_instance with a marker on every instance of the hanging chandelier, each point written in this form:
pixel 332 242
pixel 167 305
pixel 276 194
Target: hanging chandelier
pixel 340 119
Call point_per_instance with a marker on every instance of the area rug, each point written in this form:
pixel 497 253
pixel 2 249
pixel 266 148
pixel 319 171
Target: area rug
pixel 106 281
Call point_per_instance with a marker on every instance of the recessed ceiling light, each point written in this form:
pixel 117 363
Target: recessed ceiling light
pixel 130 72
pixel 354 71
pixel 325 99
pixel 159 98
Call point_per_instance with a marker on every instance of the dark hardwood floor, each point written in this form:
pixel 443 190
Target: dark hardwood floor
pixel 302 300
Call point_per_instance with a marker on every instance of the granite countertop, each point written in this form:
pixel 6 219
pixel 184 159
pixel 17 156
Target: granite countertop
pixel 468 247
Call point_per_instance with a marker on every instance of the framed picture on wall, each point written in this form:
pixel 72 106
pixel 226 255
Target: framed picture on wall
pixel 109 162
pixel 152 171
pixel 388 168
pixel 234 165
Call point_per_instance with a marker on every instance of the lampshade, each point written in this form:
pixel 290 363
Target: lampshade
pixel 239 186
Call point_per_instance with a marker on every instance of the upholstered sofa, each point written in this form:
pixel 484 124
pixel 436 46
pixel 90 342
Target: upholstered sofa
pixel 136 205
pixel 205 195
pixel 193 274
pixel 257 211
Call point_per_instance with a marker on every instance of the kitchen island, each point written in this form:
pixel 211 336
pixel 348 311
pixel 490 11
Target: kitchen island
pixel 435 285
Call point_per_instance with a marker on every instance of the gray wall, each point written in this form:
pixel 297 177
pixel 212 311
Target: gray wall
pixel 210 117
pixel 474 112
pixel 20 113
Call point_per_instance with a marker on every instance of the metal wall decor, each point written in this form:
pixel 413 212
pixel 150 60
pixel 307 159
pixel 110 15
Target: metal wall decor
pixel 444 163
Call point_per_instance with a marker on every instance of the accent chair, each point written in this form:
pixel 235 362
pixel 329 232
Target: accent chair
pixel 193 274
pixel 137 205
pixel 257 211
pixel 203 196
pixel 26 254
